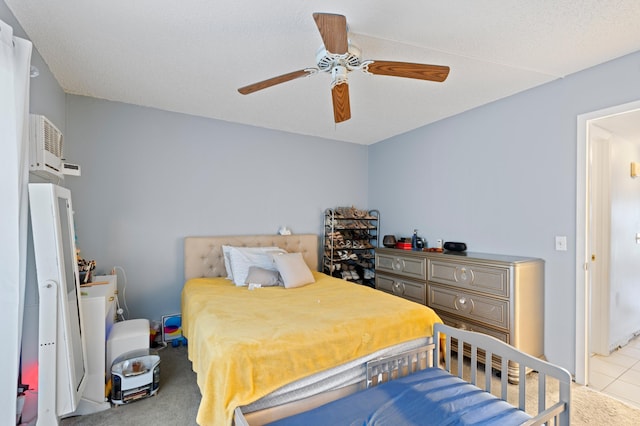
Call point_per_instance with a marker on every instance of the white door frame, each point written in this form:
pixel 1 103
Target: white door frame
pixel 599 240
pixel 583 249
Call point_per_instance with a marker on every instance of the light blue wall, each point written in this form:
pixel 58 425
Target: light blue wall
pixel 151 178
pixel 502 178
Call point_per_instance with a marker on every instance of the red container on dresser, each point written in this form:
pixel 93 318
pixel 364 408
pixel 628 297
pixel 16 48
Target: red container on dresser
pixel 403 245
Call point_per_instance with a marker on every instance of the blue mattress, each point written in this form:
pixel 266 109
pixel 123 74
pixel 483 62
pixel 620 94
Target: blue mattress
pixel 428 397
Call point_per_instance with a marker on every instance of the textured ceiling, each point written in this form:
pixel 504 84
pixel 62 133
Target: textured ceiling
pixel 191 56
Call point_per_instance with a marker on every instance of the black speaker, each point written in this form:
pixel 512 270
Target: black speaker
pixel 451 246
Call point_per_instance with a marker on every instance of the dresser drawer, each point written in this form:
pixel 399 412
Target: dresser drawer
pixel 407 289
pixel 472 326
pixel 407 266
pixel 487 310
pixel 485 279
pixel 466 325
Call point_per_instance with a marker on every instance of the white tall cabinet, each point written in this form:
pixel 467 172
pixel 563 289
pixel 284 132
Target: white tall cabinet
pixel 98 304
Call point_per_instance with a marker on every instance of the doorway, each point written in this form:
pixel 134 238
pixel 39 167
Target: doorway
pixel 594 144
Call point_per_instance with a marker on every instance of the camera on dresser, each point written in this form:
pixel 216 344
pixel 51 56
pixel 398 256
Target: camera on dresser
pixel 499 295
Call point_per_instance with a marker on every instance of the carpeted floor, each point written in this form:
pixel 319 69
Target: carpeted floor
pixel 176 403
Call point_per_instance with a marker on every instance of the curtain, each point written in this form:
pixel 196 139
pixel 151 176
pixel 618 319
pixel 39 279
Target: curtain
pixel 15 60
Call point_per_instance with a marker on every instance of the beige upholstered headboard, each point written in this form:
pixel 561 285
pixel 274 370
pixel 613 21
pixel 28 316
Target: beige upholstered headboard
pixel 203 255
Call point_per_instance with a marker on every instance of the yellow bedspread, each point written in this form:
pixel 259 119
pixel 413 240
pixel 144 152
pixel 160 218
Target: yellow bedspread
pixel 244 344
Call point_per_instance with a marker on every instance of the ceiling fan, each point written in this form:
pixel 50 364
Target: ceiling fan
pixel 339 57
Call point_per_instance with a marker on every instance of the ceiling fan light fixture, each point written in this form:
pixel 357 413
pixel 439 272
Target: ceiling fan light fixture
pixel 327 60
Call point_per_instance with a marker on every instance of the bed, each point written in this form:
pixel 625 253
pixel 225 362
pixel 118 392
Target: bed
pixel 277 350
pixel 411 389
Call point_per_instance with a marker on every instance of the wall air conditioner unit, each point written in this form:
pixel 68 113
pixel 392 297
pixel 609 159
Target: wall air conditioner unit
pixel 45 156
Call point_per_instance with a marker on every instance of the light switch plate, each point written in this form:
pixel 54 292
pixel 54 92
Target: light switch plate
pixel 561 243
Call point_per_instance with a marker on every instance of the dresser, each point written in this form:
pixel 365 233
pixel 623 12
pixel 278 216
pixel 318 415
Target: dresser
pixel 499 295
pixel 98 304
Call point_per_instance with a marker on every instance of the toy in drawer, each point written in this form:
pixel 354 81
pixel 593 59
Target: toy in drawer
pixel 483 278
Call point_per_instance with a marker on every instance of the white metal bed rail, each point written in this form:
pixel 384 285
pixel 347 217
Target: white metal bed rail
pixel 557 414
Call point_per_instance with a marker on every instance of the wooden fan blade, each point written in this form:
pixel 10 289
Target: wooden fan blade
pixel 333 30
pixel 275 80
pixel 341 107
pixel 437 73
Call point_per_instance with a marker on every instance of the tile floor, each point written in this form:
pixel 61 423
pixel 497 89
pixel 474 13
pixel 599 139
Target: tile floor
pixel 618 374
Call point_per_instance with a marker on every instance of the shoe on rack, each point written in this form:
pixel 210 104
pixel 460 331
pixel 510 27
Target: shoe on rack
pixel 344 254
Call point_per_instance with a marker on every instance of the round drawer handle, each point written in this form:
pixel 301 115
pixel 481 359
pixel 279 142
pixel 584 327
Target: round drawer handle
pixel 397 265
pixel 463 304
pixel 398 288
pixel 463 275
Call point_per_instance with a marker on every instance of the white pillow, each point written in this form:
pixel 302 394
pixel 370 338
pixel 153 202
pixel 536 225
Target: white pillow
pixel 293 270
pixel 226 250
pixel 227 263
pixel 264 277
pixel 241 259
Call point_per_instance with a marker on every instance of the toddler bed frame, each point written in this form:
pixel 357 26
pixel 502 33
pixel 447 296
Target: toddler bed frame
pixel 453 371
